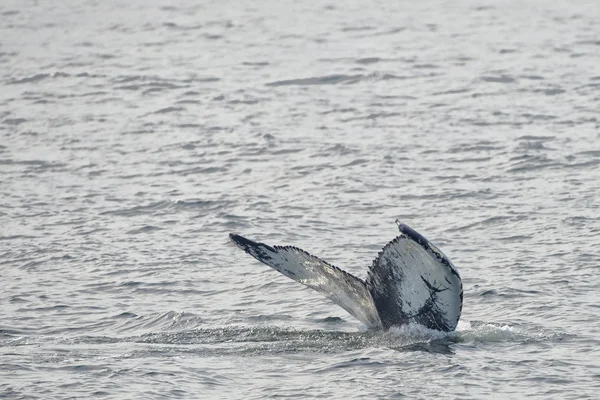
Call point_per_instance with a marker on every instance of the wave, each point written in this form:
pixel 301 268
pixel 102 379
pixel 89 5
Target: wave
pixel 192 333
pixel 337 79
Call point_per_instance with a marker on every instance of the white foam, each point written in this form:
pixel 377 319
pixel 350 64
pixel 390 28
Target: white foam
pixel 415 333
pixel 488 332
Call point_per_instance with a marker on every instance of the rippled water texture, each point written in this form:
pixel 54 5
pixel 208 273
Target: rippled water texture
pixel 134 136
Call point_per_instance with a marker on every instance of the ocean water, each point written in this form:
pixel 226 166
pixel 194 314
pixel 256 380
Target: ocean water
pixel 135 135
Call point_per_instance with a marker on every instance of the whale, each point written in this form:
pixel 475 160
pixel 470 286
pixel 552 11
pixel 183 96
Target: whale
pixel 410 281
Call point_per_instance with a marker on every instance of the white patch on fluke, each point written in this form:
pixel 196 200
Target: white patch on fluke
pixel 344 289
pixel 411 281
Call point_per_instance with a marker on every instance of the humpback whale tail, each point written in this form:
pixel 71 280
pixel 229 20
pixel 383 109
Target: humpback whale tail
pixel 411 280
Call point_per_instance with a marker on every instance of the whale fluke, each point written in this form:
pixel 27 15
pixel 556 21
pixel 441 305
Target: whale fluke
pixel 344 289
pixel 411 280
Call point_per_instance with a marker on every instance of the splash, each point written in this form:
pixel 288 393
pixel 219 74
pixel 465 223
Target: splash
pixel 415 332
pixel 486 332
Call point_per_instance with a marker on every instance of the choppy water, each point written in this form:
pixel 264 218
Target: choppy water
pixel 134 136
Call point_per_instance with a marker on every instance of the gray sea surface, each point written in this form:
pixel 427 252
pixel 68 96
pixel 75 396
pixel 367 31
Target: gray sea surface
pixel 135 135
